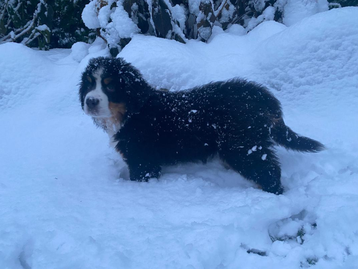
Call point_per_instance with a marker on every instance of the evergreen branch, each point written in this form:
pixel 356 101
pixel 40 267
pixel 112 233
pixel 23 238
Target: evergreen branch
pixel 220 8
pixel 32 37
pixel 2 14
pixel 29 23
pixel 16 10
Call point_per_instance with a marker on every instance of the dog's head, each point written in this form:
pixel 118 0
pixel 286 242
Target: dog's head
pixel 111 87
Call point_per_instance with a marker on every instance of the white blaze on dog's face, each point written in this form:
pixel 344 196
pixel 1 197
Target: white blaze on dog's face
pixel 96 103
pixel 100 101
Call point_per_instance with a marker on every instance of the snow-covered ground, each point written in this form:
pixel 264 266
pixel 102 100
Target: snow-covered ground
pixel 64 198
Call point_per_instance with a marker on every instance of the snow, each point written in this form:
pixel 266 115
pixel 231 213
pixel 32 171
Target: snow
pixel 89 15
pixel 178 13
pixel 123 24
pixel 79 50
pixel 65 201
pixel 296 10
pixel 267 15
pixel 43 27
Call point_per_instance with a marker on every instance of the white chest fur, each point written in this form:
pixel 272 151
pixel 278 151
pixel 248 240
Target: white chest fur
pixel 111 126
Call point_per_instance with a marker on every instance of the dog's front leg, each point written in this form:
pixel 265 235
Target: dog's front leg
pixel 138 152
pixel 143 170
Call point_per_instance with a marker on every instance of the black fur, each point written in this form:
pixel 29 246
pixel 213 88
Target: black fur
pixel 237 120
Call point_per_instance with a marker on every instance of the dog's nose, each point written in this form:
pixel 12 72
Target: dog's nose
pixel 92 102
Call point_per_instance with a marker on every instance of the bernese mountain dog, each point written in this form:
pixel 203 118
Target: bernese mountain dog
pixel 237 120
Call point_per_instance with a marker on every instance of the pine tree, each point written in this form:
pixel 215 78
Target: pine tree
pixel 25 22
pixel 43 23
pixel 67 25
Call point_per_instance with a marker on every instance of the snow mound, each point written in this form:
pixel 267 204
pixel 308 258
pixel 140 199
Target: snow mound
pixel 321 47
pixel 79 50
pixel 21 71
pixel 295 10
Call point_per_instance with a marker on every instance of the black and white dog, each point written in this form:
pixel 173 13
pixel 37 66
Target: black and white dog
pixel 237 120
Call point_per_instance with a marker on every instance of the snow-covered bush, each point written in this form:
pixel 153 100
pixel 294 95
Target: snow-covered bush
pixel 117 21
pixel 58 23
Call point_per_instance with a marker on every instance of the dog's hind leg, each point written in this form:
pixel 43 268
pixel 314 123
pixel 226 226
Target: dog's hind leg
pixel 257 164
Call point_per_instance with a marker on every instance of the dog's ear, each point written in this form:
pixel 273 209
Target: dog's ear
pixel 138 95
pixel 137 90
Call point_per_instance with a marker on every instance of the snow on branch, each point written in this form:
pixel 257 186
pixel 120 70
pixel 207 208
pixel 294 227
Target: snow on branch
pixel 24 33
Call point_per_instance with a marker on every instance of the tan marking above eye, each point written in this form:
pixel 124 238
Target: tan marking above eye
pixel 106 81
pixel 89 79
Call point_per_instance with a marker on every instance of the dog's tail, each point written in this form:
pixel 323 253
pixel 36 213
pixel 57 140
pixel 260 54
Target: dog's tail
pixel 284 136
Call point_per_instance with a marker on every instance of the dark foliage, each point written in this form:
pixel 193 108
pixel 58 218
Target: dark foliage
pixel 68 27
pixel 44 24
pixel 343 3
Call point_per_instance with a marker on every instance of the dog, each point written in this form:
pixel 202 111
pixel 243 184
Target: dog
pixel 237 120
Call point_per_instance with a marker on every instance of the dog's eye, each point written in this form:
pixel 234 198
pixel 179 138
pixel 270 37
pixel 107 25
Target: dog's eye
pixel 89 79
pixel 108 84
pixel 107 81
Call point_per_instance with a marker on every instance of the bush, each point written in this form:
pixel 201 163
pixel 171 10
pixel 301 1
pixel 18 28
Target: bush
pixel 57 23
pixel 117 20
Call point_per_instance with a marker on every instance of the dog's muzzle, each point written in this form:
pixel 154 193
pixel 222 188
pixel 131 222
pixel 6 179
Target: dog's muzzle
pixel 92 103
